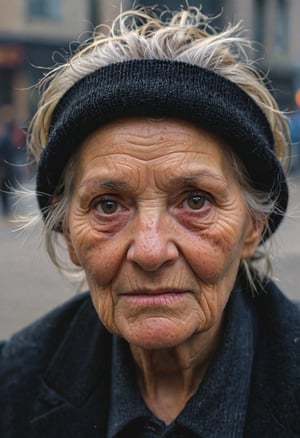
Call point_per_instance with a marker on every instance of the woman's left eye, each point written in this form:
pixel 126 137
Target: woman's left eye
pixel 195 201
pixel 107 206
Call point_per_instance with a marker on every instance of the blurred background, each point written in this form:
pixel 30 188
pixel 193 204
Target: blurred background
pixel 34 34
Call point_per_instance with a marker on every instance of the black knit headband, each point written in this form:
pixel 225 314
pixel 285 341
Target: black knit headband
pixel 163 88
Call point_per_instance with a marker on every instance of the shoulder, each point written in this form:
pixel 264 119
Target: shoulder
pixel 276 368
pixel 39 365
pixel 278 336
pixel 27 354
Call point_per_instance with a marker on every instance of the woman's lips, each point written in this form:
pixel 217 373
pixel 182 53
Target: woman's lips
pixel 155 297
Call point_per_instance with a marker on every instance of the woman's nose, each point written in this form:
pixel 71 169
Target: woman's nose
pixel 152 245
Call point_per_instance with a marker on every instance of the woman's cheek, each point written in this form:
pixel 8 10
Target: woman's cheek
pixel 98 266
pixel 104 305
pixel 100 256
pixel 211 255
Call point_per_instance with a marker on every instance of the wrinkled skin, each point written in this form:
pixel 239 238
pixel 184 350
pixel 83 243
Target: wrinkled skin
pixel 158 222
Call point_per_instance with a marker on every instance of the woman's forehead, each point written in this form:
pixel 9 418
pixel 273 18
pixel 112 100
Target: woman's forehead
pixel 148 139
pixel 168 153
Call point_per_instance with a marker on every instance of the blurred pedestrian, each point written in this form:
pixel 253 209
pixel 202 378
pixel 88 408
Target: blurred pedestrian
pixel 18 146
pixel 6 169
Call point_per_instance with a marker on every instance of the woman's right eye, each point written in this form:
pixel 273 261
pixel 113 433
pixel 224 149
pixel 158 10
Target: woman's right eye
pixel 108 206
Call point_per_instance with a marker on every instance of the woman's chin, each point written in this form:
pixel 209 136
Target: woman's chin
pixel 155 333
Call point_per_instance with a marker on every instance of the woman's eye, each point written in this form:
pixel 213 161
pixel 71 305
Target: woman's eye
pixel 108 206
pixel 196 201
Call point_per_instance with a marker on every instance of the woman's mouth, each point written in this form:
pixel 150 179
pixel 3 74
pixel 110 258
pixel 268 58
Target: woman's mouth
pixel 157 297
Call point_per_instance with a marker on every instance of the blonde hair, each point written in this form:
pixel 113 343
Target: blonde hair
pixel 186 35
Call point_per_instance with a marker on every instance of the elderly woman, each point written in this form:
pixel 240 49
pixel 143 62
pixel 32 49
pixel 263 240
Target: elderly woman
pixel 161 158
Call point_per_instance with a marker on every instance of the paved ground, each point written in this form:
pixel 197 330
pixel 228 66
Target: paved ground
pixel 30 285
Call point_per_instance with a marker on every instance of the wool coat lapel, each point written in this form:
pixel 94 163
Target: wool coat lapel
pixel 73 399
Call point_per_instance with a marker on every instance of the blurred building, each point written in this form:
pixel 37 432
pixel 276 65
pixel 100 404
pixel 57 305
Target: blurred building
pixel 275 25
pixel 33 36
pixel 32 30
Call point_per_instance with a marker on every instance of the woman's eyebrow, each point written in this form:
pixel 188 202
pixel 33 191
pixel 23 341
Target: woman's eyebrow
pixel 106 184
pixel 209 177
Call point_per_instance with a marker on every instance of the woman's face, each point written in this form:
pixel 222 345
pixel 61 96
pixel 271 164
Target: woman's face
pixel 159 225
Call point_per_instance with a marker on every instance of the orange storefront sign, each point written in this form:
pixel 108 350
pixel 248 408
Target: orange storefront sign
pixel 11 55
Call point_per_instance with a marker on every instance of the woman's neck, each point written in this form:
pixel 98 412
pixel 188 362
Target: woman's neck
pixel 168 378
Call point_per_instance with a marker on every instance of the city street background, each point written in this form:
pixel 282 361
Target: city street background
pixel 31 285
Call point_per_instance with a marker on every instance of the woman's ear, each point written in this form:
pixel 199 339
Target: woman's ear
pixel 71 249
pixel 253 236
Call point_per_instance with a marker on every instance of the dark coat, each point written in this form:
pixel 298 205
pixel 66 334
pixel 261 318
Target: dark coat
pixel 54 385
